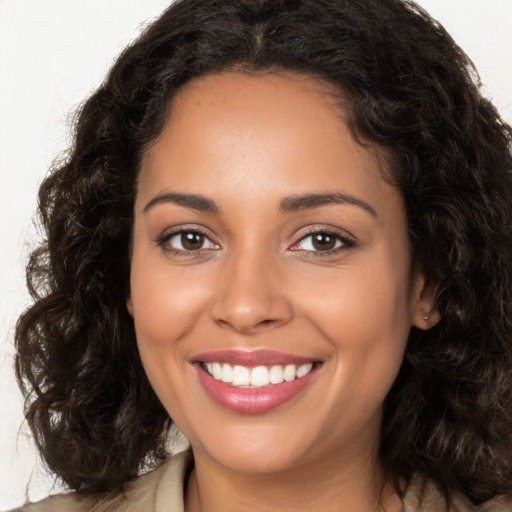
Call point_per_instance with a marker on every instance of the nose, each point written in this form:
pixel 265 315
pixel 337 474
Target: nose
pixel 251 295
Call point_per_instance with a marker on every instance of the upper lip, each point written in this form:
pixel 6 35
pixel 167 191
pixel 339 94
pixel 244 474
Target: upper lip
pixel 252 358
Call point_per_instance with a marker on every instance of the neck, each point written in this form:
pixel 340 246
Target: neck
pixel 327 485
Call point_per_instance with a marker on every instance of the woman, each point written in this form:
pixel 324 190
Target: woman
pixel 285 225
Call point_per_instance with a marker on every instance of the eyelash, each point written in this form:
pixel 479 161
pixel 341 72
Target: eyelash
pixel 164 239
pixel 346 242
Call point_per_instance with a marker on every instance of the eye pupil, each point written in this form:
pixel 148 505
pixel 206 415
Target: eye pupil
pixel 192 241
pixel 323 242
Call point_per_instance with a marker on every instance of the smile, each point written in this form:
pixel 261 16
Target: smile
pixel 254 382
pixel 259 376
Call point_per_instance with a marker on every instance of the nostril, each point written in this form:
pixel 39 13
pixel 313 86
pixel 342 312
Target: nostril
pixel 246 306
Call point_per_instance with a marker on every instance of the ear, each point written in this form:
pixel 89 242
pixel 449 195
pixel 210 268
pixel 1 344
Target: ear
pixel 424 313
pixel 129 305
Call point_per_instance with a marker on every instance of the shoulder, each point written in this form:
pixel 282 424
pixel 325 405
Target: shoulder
pixel 423 495
pixel 158 490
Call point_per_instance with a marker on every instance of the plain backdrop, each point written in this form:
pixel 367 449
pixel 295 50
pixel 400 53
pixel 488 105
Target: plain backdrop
pixel 53 54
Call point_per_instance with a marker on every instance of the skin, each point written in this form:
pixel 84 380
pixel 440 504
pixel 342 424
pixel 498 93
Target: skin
pixel 247 142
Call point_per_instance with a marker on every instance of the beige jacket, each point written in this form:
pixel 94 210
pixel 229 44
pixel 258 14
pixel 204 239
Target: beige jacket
pixel 162 491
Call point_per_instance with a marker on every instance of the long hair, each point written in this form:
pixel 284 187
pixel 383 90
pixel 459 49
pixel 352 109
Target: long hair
pixel 407 88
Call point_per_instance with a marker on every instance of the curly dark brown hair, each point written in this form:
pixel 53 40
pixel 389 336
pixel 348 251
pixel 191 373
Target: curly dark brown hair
pixel 410 90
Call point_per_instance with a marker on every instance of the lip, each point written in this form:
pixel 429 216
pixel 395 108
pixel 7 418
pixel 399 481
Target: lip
pixel 252 358
pixel 252 400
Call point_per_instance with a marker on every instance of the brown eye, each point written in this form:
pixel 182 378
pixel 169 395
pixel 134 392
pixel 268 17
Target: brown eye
pixel 323 241
pixel 192 241
pixel 188 241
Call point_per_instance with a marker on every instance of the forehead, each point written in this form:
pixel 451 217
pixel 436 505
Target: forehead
pixel 264 134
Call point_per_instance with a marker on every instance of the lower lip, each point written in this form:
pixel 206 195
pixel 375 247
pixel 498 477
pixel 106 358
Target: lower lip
pixel 252 400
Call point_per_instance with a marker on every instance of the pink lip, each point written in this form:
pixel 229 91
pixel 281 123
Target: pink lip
pixel 251 358
pixel 252 400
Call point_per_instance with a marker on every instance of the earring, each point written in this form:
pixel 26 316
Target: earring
pixel 431 318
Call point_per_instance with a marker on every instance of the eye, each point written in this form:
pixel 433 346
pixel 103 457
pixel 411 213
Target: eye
pixel 187 241
pixel 322 241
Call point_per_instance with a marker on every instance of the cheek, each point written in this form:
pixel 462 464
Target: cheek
pixel 166 309
pixel 165 304
pixel 371 301
pixel 364 314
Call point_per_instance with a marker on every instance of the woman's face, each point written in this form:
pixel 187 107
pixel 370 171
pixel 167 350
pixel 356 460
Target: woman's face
pixel 268 249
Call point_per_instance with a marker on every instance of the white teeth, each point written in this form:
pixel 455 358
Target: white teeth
pixel 258 376
pixel 289 372
pixel 227 373
pixel 276 375
pixel 241 376
pixel 304 370
pixel 217 371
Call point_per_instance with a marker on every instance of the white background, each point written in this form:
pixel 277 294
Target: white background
pixel 53 54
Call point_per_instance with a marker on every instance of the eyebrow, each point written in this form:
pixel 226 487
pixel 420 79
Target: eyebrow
pixel 310 201
pixel 194 201
pixel 289 204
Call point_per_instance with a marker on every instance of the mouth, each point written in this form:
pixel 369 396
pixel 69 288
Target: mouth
pixel 254 382
pixel 258 376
